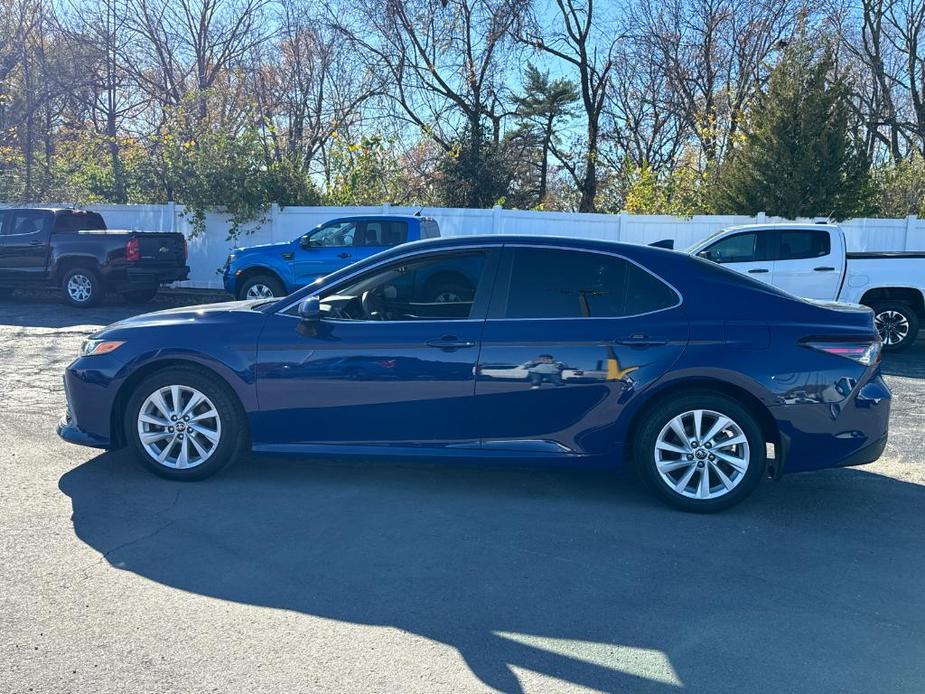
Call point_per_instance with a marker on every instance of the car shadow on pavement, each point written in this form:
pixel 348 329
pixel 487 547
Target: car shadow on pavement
pixel 813 584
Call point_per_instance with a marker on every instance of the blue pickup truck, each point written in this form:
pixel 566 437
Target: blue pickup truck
pixel 278 269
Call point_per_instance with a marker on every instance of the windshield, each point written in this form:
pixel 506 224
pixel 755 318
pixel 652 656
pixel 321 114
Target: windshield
pixel 703 242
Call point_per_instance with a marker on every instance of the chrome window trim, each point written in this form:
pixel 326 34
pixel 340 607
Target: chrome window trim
pixel 502 244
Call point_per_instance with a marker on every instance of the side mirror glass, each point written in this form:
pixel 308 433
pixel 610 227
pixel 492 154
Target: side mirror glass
pixel 310 309
pixel 305 241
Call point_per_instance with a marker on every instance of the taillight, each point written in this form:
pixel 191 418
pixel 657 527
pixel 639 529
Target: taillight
pixel 132 250
pixel 866 352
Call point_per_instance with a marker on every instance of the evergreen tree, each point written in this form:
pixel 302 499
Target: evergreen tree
pixel 798 158
pixel 543 104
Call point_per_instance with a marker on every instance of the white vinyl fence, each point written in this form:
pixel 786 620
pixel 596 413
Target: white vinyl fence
pixel 208 250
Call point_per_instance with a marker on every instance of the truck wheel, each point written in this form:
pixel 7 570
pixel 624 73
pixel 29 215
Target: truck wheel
pixel 898 324
pixel 82 288
pixel 139 296
pixel 261 287
pixel 449 291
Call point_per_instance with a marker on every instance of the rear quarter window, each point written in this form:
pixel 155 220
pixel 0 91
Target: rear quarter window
pixel 71 221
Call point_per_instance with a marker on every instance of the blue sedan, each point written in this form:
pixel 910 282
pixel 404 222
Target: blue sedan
pixel 577 351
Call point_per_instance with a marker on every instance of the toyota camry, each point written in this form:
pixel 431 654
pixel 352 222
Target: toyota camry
pixel 576 351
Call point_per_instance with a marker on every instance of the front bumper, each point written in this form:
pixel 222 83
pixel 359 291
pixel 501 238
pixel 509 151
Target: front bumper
pixel 70 432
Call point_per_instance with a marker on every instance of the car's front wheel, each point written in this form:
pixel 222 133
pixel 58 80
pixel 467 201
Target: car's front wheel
pixel 184 424
pixel 700 452
pixel 898 324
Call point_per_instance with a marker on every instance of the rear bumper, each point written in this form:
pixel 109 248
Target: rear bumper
pixel 140 277
pixel 848 433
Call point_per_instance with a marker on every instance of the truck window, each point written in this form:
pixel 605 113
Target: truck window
pixel 747 247
pixel 429 228
pixel 19 222
pixel 804 243
pixel 380 233
pixel 71 221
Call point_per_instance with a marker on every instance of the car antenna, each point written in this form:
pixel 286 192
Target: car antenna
pixel 418 213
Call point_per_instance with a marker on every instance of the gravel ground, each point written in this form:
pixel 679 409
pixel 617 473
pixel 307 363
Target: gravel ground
pixel 350 576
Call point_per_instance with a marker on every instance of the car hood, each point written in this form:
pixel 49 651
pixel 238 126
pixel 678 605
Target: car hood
pixel 262 248
pixel 206 313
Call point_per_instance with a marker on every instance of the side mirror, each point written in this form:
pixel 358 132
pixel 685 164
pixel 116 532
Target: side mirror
pixel 305 242
pixel 310 309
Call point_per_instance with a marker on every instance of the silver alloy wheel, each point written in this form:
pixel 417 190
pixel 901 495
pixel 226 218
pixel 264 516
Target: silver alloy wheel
pixel 702 454
pixel 79 288
pixel 893 326
pixel 259 291
pixel 179 427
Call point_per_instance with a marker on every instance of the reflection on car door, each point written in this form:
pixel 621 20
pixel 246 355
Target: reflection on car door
pixel 568 342
pixel 401 376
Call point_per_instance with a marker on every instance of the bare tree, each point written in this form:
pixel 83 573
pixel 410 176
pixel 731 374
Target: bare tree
pixel 714 57
pixel 577 37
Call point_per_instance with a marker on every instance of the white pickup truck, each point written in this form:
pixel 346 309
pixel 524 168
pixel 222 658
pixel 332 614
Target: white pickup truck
pixel 810 260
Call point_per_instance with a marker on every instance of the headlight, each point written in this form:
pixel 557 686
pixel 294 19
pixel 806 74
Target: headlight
pixel 92 348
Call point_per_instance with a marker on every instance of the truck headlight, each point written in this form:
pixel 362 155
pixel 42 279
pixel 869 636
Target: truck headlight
pixel 94 348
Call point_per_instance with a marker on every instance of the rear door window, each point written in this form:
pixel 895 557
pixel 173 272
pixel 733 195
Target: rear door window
pixel 804 243
pixel 381 233
pixel 71 221
pixel 553 283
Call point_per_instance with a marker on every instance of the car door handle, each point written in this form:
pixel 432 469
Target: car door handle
pixel 640 340
pixel 450 342
pixel 343 255
pixel 824 268
pixel 36 243
pixel 758 270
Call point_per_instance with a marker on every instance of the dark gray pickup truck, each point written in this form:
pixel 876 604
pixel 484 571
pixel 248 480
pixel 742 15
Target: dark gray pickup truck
pixel 73 249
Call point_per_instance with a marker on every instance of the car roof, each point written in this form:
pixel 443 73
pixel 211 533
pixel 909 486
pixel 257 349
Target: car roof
pixel 384 217
pixel 801 226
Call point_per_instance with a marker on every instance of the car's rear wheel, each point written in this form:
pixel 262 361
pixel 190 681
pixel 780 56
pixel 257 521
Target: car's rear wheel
pixel 898 324
pixel 184 424
pixel 82 287
pixel 700 452
pixel 261 287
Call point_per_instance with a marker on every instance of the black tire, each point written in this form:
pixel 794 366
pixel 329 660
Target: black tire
pixel 451 289
pixel 139 296
pixel 5 292
pixel 231 416
pixel 82 278
pixel 889 316
pixel 659 418
pixel 267 281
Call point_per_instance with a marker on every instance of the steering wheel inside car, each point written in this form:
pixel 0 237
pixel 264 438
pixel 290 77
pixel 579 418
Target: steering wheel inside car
pixel 373 306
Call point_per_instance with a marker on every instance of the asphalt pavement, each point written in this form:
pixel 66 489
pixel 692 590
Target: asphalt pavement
pixel 384 576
